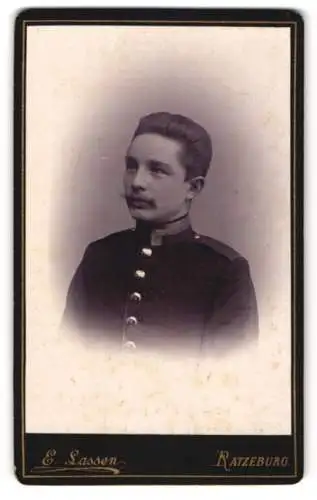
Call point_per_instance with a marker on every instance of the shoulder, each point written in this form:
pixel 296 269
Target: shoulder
pixel 217 248
pixel 231 265
pixel 111 241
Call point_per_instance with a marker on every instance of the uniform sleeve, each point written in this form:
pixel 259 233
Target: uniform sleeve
pixel 76 300
pixel 234 316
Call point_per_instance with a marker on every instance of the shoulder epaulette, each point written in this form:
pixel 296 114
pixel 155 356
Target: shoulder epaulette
pixel 218 246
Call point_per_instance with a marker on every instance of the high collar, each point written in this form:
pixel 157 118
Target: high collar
pixel 174 232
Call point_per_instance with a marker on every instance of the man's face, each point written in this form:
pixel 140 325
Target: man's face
pixel 154 180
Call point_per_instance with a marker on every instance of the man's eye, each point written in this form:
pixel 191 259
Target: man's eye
pixel 131 164
pixel 157 169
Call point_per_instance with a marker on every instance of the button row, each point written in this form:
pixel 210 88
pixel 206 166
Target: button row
pixel 136 297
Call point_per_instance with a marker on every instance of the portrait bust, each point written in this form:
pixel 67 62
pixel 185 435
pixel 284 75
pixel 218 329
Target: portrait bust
pixel 160 284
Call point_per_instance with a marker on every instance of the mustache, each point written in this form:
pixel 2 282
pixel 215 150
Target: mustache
pixel 131 198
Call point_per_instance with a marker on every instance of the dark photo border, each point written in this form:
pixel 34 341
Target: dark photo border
pixel 161 459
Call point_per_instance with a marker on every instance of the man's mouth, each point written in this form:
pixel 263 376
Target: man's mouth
pixel 138 202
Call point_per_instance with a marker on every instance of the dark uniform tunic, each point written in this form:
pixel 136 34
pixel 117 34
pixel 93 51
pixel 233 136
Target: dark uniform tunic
pixel 141 289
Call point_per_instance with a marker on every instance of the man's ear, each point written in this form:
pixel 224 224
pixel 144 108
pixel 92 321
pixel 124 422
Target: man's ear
pixel 196 185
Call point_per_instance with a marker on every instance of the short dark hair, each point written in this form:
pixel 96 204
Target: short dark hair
pixel 195 140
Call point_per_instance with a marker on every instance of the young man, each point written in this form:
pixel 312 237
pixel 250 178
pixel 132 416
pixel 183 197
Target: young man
pixel 160 284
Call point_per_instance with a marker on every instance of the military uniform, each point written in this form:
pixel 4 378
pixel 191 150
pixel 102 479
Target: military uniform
pixel 143 288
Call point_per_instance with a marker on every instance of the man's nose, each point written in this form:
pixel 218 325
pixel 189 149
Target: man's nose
pixel 140 179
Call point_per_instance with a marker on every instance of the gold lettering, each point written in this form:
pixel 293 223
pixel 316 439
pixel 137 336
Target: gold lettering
pixel 252 462
pixel 82 461
pixel 49 459
pixel 72 457
pixel 222 461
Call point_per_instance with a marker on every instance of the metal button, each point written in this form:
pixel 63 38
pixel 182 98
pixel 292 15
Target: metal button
pixel 139 273
pixel 129 345
pixel 197 236
pixel 136 296
pixel 131 320
pixel 147 252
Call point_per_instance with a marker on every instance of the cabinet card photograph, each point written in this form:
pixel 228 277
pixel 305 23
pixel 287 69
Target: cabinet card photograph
pixel 158 246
